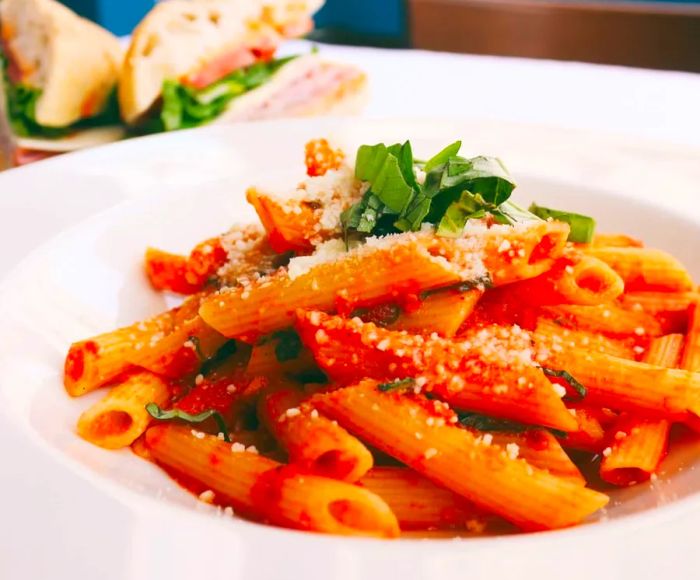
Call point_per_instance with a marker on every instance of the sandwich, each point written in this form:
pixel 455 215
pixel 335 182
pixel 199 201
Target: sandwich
pixel 57 83
pixel 193 62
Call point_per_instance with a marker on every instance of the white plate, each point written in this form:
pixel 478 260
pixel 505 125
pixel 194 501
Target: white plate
pixel 92 510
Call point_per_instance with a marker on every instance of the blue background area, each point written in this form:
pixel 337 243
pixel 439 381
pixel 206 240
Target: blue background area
pixel 385 18
pixel 372 18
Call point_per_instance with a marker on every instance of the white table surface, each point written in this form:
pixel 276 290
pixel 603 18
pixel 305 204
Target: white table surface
pixel 644 104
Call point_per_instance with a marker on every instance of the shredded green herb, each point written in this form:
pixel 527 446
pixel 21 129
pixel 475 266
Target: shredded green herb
pixel 580 389
pixel 176 414
pixel 455 190
pixel 311 376
pixel 228 349
pixel 582 226
pixel 486 423
pixel 400 384
pixel 288 345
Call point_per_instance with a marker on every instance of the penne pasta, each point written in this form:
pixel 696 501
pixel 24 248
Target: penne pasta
pixel 185 274
pixel 314 443
pixel 300 222
pixel 419 504
pixel 119 418
pixel 542 450
pixel 388 271
pixel 584 339
pixel 645 269
pixel 583 280
pixel 488 475
pixel 691 351
pixel 443 312
pixel 627 385
pixel 616 241
pixel 266 362
pixel 265 489
pixel 639 444
pixel 607 319
pixel 489 373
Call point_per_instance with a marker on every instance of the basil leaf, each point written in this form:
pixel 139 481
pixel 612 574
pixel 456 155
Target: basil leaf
pixel 288 346
pixel 582 226
pixel 468 206
pixel 442 157
pixel 400 384
pixel 311 376
pixel 161 415
pixel 185 107
pixel 580 389
pixel 228 349
pixel 486 423
pixel 380 168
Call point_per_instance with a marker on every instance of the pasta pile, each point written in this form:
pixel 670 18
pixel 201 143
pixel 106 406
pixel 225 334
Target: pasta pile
pixel 400 347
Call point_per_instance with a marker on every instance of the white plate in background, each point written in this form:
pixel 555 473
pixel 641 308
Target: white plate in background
pixel 69 508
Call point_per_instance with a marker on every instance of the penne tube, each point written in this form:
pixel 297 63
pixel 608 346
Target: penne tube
pixel 491 372
pixel 590 434
pixel 264 489
pixel 442 312
pixel 645 269
pixel 310 217
pixel 315 444
pixel 616 241
pixel 542 450
pixel 119 418
pixel 179 352
pixel 659 302
pixel 639 444
pixel 585 339
pixel 265 362
pixel 607 319
pixel 419 504
pixel 185 274
pixel 370 275
pixel 691 351
pixel 97 361
pixel 582 280
pixel 509 253
pixel 627 385
pixel 490 476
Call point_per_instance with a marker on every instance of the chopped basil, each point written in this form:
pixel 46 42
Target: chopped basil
pixel 228 349
pixel 400 384
pixel 580 389
pixel 313 376
pixel 288 345
pixel 176 414
pixel 442 157
pixel 582 226
pixel 486 423
pixel 185 107
pixel 455 190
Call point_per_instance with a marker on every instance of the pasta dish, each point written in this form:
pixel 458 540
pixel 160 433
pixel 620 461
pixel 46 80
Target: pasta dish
pixel 396 346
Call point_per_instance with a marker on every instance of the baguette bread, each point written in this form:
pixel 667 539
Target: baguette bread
pixel 73 61
pixel 181 37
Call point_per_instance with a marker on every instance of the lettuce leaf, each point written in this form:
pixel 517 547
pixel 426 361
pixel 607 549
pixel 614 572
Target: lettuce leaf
pixel 184 107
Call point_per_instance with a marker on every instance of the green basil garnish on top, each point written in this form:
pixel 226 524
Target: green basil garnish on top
pixel 582 226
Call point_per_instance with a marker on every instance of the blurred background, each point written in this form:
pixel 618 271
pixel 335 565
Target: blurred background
pixel 657 34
